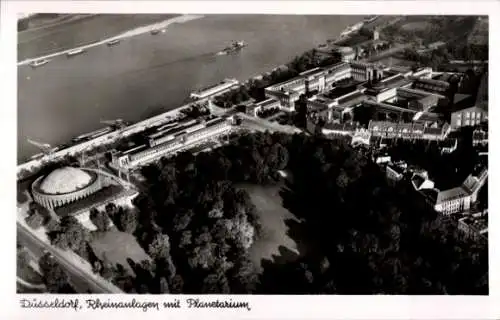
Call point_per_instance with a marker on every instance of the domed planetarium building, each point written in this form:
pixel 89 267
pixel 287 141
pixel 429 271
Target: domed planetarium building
pixel 65 185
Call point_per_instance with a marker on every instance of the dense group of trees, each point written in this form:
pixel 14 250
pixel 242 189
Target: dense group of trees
pixel 196 111
pixel 431 29
pixel 440 57
pixel 55 278
pixel 69 234
pixel 391 242
pixel 197 225
pixel 37 215
pixel 208 224
pixel 366 236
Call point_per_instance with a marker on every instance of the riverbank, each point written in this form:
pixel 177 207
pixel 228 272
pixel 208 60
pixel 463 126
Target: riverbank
pixel 128 34
pixel 149 75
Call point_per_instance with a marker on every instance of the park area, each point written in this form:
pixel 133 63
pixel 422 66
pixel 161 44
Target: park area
pixel 117 248
pixel 275 243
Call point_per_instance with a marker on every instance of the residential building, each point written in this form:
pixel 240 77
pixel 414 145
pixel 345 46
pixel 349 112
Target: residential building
pixel 264 105
pixel 394 173
pixel 402 130
pixel 479 137
pixel 469 116
pixel 461 198
pixel 427 118
pixel 340 129
pixel 361 136
pixel 436 133
pixel 449 146
pixel 474 227
pixel 383 158
pixel 482 94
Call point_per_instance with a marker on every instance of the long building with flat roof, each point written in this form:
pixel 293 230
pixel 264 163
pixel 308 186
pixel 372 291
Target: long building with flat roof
pixel 219 88
pixel 317 79
pixel 170 145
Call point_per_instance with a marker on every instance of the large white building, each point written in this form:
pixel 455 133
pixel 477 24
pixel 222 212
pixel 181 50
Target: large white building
pixel 461 198
pixel 65 185
pixel 186 139
pixel 318 79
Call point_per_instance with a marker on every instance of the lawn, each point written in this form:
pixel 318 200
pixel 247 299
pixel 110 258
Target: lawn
pixel 275 243
pixel 117 247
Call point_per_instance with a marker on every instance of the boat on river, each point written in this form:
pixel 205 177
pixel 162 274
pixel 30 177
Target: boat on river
pixel 236 46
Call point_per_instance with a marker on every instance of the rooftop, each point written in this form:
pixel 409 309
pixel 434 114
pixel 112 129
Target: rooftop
pixel 338 92
pixel 266 103
pixel 427 117
pixel 65 180
pixel 433 82
pixel 352 100
pixel 451 194
pixel 433 131
pixel 396 81
pixel 417 180
pixel 395 168
pixel 311 72
pixel 480 224
pixel 459 107
pixel 430 194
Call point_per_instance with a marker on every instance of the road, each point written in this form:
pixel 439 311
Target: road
pixel 81 279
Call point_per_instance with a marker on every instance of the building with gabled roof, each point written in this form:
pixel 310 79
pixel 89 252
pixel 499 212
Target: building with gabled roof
pixel 461 198
pixel 420 181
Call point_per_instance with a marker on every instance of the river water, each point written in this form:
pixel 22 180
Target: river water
pixel 148 74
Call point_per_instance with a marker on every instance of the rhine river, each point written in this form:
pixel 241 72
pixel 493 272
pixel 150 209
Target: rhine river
pixel 148 74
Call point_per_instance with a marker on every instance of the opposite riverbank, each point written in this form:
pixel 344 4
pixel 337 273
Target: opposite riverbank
pixel 135 32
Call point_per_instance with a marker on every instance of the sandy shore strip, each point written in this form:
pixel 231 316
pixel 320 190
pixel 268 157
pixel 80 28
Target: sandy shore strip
pixel 134 32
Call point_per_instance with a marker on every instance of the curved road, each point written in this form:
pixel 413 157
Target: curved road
pixel 81 279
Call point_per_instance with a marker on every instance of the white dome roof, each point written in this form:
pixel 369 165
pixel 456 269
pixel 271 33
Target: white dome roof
pixel 65 180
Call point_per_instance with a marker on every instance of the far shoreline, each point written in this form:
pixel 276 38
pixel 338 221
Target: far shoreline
pixel 123 35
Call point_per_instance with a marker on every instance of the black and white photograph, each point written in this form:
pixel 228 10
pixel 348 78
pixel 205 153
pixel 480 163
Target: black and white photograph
pixel 252 154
